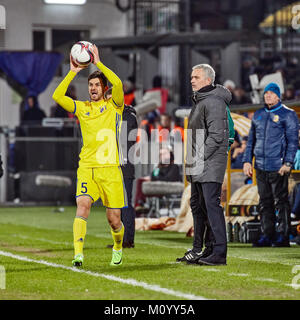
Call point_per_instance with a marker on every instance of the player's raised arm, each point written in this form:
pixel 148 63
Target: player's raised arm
pixel 59 94
pixel 117 85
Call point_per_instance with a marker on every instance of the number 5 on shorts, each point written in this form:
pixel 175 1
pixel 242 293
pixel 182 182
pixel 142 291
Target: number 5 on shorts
pixel 83 187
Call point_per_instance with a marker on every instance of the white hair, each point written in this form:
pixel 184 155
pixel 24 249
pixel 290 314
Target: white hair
pixel 208 71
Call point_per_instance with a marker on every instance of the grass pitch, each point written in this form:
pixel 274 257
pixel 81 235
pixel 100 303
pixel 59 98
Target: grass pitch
pixel 36 250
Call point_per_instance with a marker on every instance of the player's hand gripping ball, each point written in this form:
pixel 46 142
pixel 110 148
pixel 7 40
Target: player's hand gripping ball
pixel 82 54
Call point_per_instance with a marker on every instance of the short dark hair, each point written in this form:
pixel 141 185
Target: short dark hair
pixel 166 115
pixel 98 74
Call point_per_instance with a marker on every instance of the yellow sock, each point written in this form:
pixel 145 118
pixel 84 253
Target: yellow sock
pixel 118 238
pixel 79 232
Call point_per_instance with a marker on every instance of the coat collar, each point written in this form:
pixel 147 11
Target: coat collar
pixel 274 108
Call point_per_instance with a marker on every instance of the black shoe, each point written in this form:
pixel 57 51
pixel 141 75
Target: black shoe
pixel 203 254
pixel 212 260
pixel 110 246
pixel 192 257
pixel 206 252
pixel 183 258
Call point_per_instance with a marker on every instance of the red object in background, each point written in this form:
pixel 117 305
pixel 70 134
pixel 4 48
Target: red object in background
pixel 128 98
pixel 143 125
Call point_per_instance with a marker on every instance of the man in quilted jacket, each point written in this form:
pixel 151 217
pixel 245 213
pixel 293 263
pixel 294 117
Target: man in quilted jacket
pixel 273 141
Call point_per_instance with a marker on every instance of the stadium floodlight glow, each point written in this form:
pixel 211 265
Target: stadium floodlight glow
pixel 76 2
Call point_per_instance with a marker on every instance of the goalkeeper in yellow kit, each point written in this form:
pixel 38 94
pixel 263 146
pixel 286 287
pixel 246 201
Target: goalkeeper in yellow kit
pixel 99 174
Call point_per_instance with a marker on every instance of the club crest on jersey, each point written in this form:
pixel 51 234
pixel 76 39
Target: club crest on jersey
pixel 102 109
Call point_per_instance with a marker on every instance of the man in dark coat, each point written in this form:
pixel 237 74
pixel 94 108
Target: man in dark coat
pixel 207 150
pixel 128 140
pixel 129 128
pixel 273 140
pixel 128 136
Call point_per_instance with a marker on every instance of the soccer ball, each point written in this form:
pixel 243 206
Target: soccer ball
pixel 81 53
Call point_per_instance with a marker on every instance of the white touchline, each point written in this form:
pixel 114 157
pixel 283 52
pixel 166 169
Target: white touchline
pixel 260 260
pixel 267 280
pixel 158 244
pixel 238 274
pixel 131 282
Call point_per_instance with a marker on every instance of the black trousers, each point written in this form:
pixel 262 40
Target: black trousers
pixel 128 214
pixel 273 196
pixel 208 216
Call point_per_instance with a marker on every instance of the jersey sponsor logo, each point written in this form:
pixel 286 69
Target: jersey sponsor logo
pixel 87 114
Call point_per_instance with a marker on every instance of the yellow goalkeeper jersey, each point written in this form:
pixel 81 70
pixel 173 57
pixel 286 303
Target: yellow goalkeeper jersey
pixel 100 122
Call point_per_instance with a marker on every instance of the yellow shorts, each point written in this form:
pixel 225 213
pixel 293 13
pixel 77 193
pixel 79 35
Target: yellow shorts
pixel 105 183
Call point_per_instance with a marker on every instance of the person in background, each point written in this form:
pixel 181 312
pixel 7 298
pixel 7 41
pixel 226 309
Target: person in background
pixel 239 96
pixel 238 153
pixel 297 160
pixel 129 95
pixel 249 114
pixel 164 127
pixel 273 140
pixel 166 170
pixel 32 115
pixel 127 140
pixel 289 93
pixel 295 213
pixel 297 94
pixel 230 85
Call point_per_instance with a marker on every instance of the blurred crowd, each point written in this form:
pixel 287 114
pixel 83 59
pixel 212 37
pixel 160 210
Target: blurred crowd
pixel 287 66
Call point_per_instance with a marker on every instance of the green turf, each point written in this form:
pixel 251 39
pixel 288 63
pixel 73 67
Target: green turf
pixel 40 234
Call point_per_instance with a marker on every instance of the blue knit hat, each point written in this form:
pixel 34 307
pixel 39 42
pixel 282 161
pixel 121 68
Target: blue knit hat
pixel 274 88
